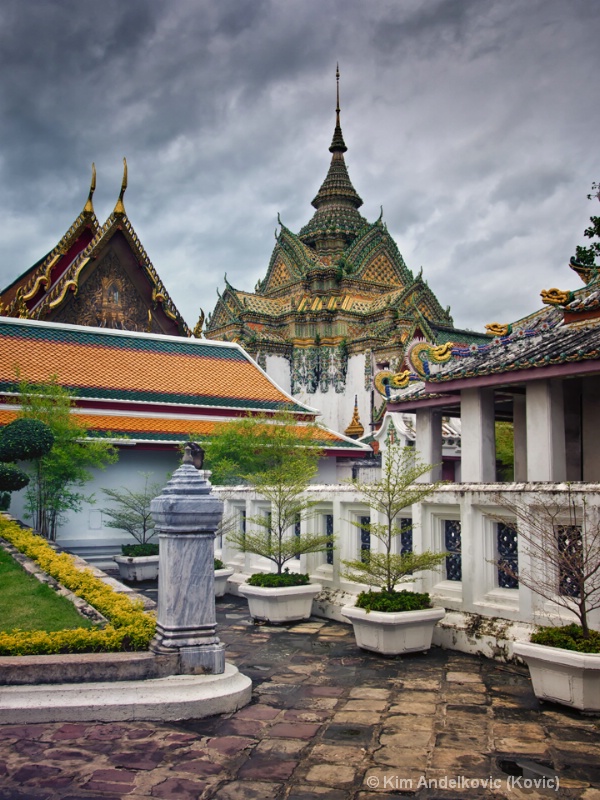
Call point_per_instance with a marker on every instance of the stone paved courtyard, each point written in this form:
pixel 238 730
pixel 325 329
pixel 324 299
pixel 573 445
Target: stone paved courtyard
pixel 327 722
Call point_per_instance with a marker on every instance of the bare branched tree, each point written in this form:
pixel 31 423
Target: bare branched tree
pixel 562 541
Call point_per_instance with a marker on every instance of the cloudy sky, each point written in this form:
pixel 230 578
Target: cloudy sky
pixel 474 123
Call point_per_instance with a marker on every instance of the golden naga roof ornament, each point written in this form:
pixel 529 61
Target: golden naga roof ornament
pixel 498 329
pixel 89 206
pixel 355 430
pixel 556 297
pixel 199 325
pixel 119 209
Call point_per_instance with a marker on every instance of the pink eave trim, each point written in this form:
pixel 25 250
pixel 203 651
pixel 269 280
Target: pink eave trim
pixel 571 369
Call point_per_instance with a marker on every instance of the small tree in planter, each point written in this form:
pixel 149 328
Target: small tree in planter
pixel 388 608
pixel 131 513
pixel 282 457
pixel 562 543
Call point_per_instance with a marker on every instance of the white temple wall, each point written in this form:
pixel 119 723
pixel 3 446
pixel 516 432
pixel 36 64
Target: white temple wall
pixel 278 369
pixel 85 532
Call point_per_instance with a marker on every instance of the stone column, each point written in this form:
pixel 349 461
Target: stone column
pixel 429 443
pixel 186 517
pixel 546 457
pixel 520 438
pixel 590 426
pixel 478 440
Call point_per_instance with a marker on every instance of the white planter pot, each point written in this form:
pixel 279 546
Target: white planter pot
pixel 562 676
pixel 221 578
pixel 283 604
pixel 392 633
pixel 138 568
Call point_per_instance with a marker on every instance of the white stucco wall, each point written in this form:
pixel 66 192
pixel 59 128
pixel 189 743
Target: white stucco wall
pixel 278 369
pixel 87 528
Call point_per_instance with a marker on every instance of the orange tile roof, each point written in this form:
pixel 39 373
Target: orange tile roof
pixel 142 367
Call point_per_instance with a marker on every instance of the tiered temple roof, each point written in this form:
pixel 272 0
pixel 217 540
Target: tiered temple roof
pixel 96 275
pixel 340 282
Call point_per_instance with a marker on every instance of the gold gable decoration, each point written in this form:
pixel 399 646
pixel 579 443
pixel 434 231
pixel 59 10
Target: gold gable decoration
pixel 279 277
pixel 380 270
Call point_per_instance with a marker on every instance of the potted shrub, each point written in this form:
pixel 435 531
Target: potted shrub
pixel 222 574
pixel 561 540
pixel 389 621
pixel 131 513
pixel 278 457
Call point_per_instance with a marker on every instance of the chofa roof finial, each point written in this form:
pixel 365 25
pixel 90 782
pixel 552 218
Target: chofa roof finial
pixel 89 206
pixel 120 208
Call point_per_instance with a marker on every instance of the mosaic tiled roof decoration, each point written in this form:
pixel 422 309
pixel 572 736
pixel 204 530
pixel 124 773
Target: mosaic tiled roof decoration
pixel 339 287
pixel 565 333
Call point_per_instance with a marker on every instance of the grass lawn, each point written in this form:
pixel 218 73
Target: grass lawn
pixel 27 604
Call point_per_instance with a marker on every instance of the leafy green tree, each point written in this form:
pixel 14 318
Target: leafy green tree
pixel 395 491
pixel 20 440
pixel 132 510
pixel 279 457
pixel 56 478
pixel 588 255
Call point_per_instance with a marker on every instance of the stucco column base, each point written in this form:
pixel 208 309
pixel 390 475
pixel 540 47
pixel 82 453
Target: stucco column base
pixel 173 698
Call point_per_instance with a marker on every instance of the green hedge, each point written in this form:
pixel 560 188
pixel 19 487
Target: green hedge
pixel 129 628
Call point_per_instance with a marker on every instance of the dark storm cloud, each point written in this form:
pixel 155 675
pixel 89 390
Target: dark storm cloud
pixel 469 120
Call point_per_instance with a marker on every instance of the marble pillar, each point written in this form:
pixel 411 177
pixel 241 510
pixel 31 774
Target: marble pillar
pixel 590 427
pixel 186 517
pixel 520 438
pixel 429 443
pixel 546 457
pixel 478 440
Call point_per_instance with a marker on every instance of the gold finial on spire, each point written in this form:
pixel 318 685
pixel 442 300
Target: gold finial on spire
pixel 120 208
pixel 89 206
pixel 355 430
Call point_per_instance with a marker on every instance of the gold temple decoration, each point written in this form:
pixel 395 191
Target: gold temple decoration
pixel 497 329
pixel 355 430
pixel 89 206
pixel 119 209
pixel 555 297
pixel 149 326
pixel 199 325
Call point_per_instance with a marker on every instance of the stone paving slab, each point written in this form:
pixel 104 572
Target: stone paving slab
pixel 327 722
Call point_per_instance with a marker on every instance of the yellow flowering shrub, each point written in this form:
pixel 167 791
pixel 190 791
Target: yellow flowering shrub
pixel 129 628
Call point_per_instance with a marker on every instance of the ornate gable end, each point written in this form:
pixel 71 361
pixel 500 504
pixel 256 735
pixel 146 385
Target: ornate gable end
pixel 107 297
pixel 279 276
pixel 374 257
pixel 381 270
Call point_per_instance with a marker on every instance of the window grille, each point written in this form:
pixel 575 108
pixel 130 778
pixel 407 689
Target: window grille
pixel 365 538
pixel 452 545
pixel 570 548
pixel 508 555
pixel 329 532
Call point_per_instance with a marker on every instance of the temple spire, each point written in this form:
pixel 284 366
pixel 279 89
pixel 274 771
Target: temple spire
pixel 336 221
pixel 337 143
